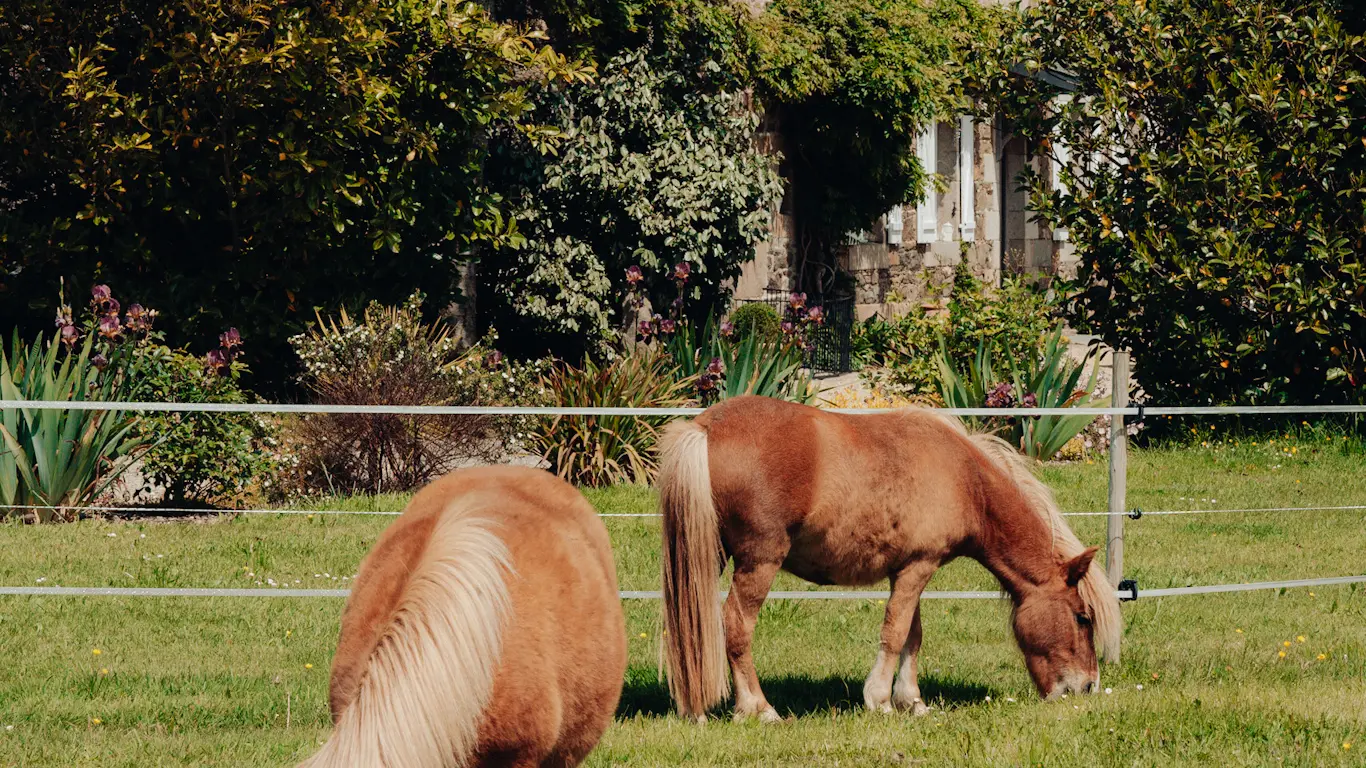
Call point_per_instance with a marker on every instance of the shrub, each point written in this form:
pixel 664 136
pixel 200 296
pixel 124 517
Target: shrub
pixel 1047 379
pixel 198 458
pixel 597 451
pixel 898 355
pixel 315 152
pixel 1214 189
pixel 757 318
pixel 69 457
pixel 658 166
pixel 391 356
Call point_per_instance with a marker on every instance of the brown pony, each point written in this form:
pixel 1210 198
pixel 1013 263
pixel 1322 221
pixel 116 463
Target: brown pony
pixel 483 629
pixel 854 499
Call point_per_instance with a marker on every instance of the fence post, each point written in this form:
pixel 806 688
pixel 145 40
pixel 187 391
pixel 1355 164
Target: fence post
pixel 1119 462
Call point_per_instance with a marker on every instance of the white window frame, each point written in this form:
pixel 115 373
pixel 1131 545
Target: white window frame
pixel 927 210
pixel 967 182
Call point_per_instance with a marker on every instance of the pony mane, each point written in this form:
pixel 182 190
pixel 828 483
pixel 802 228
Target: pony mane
pixel 1094 588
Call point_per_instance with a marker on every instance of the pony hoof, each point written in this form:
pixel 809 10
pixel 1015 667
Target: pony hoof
pixel 699 719
pixel 770 715
pixel 914 705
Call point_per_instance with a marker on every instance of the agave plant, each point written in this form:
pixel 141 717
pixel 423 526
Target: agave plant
pixel 604 450
pixel 55 458
pixel 1049 380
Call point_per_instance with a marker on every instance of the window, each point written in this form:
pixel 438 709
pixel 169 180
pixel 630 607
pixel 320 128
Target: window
pixel 927 211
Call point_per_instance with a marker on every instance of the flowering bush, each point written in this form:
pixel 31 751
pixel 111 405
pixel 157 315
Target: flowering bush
pixel 390 356
pixel 200 458
pixel 68 458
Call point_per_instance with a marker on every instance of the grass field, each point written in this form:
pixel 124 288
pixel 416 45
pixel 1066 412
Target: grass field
pixel 225 681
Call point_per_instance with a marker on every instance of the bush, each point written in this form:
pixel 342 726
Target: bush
pixel 756 318
pixel 658 166
pixel 1214 193
pixel 67 458
pixel 898 355
pixel 390 356
pixel 597 451
pixel 315 152
pixel 198 458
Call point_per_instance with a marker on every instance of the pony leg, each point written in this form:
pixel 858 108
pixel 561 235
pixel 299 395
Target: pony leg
pixel 902 609
pixel 748 588
pixel 906 693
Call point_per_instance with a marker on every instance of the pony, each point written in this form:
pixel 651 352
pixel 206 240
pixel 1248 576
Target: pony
pixel 851 500
pixel 483 629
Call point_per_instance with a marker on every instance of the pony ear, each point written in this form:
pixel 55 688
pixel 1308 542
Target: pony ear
pixel 1075 569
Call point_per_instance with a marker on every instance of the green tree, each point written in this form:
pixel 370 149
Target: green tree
pixel 653 172
pixel 241 161
pixel 1216 188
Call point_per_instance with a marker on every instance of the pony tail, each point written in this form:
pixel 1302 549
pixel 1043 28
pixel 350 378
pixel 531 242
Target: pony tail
pixel 694 648
pixel 1095 587
pixel 424 687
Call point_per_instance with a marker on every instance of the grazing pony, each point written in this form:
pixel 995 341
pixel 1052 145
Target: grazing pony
pixel 483 629
pixel 854 499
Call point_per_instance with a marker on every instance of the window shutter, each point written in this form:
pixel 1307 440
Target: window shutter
pixel 967 209
pixel 927 211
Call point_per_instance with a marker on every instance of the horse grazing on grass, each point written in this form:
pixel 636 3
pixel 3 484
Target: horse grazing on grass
pixel 484 628
pixel 854 499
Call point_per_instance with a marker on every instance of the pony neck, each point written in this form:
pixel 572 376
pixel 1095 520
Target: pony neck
pixel 1016 545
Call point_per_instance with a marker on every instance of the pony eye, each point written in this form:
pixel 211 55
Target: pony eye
pixel 1083 620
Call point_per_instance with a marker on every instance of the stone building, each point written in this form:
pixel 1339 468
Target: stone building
pixel 975 212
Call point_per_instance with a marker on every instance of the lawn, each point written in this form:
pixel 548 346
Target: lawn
pixel 230 681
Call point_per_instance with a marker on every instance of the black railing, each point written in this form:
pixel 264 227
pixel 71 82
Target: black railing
pixel 830 340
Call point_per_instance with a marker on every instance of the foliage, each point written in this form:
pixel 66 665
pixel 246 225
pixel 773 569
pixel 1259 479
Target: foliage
pixel 253 159
pixel 653 171
pixel 390 356
pixel 853 82
pixel 198 458
pixel 596 451
pixel 1049 379
pixel 56 458
pixel 726 363
pixel 756 317
pixel 898 354
pixel 1216 192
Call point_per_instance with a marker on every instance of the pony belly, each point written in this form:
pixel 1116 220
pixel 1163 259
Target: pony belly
pixel 851 562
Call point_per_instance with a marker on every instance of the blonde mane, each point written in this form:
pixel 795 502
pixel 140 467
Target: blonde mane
pixel 1095 588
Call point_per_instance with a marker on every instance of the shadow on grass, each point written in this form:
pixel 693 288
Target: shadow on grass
pixel 796 695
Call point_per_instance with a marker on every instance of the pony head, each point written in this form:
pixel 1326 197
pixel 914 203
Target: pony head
pixel 1055 627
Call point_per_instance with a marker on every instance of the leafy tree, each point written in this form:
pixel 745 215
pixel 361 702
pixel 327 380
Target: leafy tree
pixel 1216 192
pixel 652 172
pixel 241 161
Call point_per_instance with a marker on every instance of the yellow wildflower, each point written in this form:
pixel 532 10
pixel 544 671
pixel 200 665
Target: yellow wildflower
pixel 1299 638
pixel 310 666
pixel 1286 643
pixel 104 670
pixel 1281 654
pixel 97 721
pixel 96 651
pixel 643 635
pixel 1322 656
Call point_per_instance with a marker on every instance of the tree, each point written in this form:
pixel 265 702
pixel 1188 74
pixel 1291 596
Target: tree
pixel 655 170
pixel 241 161
pixel 1216 188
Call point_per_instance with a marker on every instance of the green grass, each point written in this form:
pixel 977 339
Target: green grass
pixel 226 681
